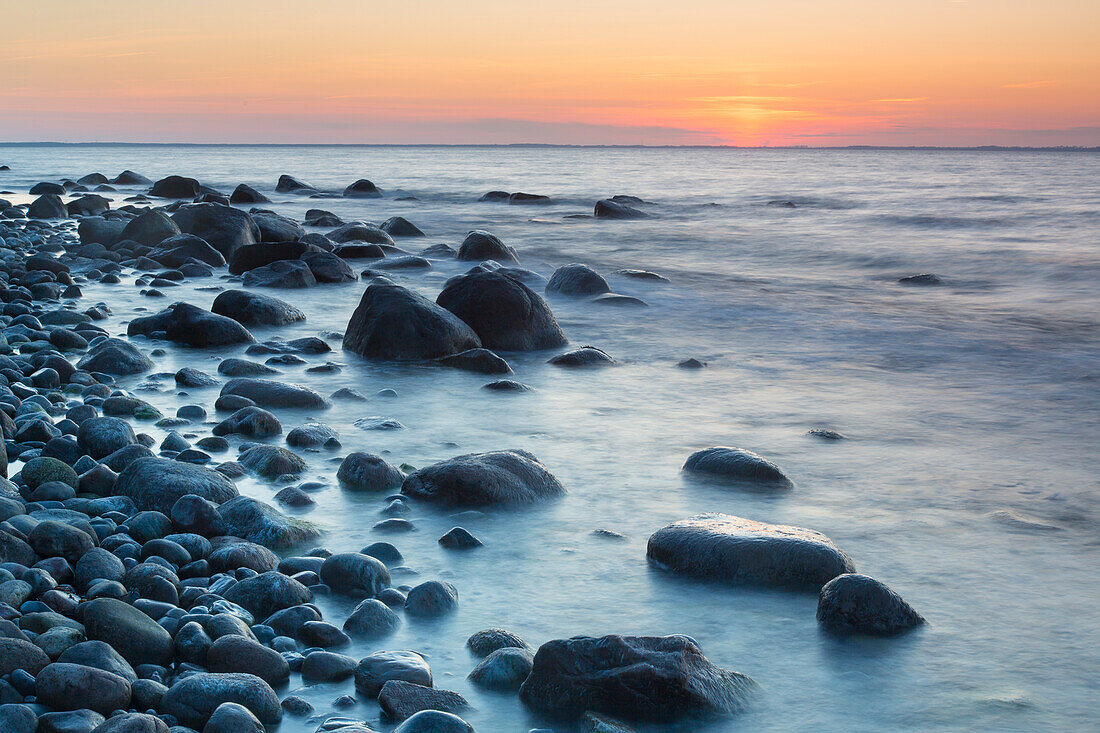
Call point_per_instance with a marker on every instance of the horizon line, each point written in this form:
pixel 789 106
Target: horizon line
pixel 1021 148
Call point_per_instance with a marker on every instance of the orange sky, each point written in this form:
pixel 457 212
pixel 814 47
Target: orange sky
pixel 778 72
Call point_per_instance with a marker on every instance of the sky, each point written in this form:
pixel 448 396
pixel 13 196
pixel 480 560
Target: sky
pixel 667 72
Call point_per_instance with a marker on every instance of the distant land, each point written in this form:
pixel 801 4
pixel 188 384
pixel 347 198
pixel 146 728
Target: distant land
pixel 980 148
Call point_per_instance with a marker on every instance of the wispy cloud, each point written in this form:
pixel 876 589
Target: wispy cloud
pixel 901 100
pixel 1030 84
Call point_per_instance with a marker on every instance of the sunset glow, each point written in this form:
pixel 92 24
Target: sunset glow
pixel 790 72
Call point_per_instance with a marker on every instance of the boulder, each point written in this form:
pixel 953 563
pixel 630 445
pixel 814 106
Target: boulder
pixel 586 356
pixel 253 422
pixel 233 653
pixel 497 477
pixel 577 279
pixel 289 184
pixel 131 633
pixel 100 655
pixel 645 678
pixel 267 393
pixel 356 574
pixel 175 187
pixel 728 548
pixel 255 256
pixel 255 521
pixel 224 228
pixel 360 233
pixel 608 209
pixel 133 722
pixel 399 226
pixel 434 721
pixel 47 206
pixel 738 465
pixel 483 643
pixel 193 699
pixel 75 687
pixel 432 598
pixel 502 670
pixel 98 437
pixel 233 718
pixel 188 324
pixel 313 435
pixel 150 228
pixel 21 654
pixel 371 619
pixel 245 194
pixel 281 274
pixel 115 356
pixel 362 189
pixel 328 267
pixel 368 472
pixel 400 700
pixel 129 178
pixel 854 603
pixel 97 230
pixel 480 245
pixel 255 309
pixel 377 669
pixel 392 322
pixel 503 312
pixel 158 483
pixel 184 248
pixel 88 205
pixel 479 361
pixel 277 228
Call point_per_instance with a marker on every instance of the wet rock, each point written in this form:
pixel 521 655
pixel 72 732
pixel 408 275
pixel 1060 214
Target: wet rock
pixel 733 549
pixel 88 205
pixel 75 721
pixel 274 394
pixel 400 700
pixel 224 228
pixel 47 206
pixel 636 678
pixel 925 279
pixel 586 356
pixel 327 667
pixel 43 469
pixel 392 322
pixel 255 309
pixel 191 377
pixel 245 194
pixel 502 670
pixel 858 603
pixel 434 721
pixel 371 619
pixel 484 643
pixel 101 436
pixel 353 573
pixel 193 513
pixel 432 598
pixel 188 324
pixel 737 464
pixel 479 361
pixel 289 184
pixel 73 687
pixel 175 187
pixel 399 226
pixel 608 209
pixel 359 232
pixel 130 178
pixel 253 422
pixel 100 655
pixel 506 385
pixel 263 524
pixel 256 256
pixel 193 699
pixel 362 189
pixel 480 245
pixel 21 654
pixel 16 718
pixel 619 301
pixel 134 635
pixel 158 483
pixel 232 653
pixel 56 539
pixel 691 364
pixel 243 368
pixel 276 228
pixel 577 279
pixel 503 312
pixel 313 435
pixel 826 434
pixel 150 228
pixel 642 275
pixel 271 461
pixel 98 230
pixel 376 670
pixel 115 356
pixel 328 267
pixel 497 477
pixel 458 538
pixel 281 274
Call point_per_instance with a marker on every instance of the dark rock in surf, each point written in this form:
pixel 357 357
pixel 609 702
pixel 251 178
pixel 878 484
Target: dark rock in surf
pixel 150 229
pixel 255 309
pixel 188 324
pixel 481 245
pixel 129 178
pixel 47 206
pixel 732 549
pixel 276 228
pixel 608 209
pixel 281 274
pixel 528 198
pixel 926 279
pixel 115 356
pixel 362 189
pixel 193 699
pixel 357 231
pixel 399 226
pixel 392 322
pixel 502 670
pixel 175 187
pixel 646 678
pixel 497 477
pixel 400 700
pixel 860 604
pixel 376 669
pixel 289 184
pixel 368 472
pixel 577 279
pixel 254 256
pixel 181 249
pixel 245 194
pixel 495 196
pixel 267 393
pixel 224 228
pixel 158 483
pixel 356 574
pixel 479 361
pixel 504 313
pixel 252 422
pixel 737 464
pixel 586 356
pixel 328 267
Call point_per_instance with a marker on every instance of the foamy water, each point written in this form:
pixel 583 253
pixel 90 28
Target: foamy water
pixel 960 403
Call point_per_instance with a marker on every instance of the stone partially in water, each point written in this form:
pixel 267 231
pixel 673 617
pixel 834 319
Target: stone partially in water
pixel 661 679
pixel 255 309
pixel 503 312
pixel 158 483
pixel 497 477
pixel 392 322
pixel 733 549
pixel 577 279
pixel 861 604
pixel 737 464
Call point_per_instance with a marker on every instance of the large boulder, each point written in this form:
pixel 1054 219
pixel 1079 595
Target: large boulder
pixel 277 228
pixel 130 632
pixel 47 206
pixel 183 248
pixel 252 421
pixel 367 472
pixel 480 245
pixel 362 189
pixel 130 178
pixel 188 324
pixel 150 228
pixel 610 209
pixel 255 309
pixel 392 322
pixel 577 279
pixel 193 699
pixel 21 654
pixel 645 678
pixel 266 593
pixel 101 436
pixel 329 268
pixel 176 187
pixel 115 356
pixel 359 232
pixel 255 521
pixel 281 274
pixel 88 205
pixel 400 700
pixel 738 465
pixel 504 313
pixel 377 669
pixel 97 230
pixel 355 574
pixel 399 226
pixel 75 687
pixel 224 228
pixel 245 194
pixel 290 184
pixel 860 604
pixel 497 477
pixel 255 256
pixel 267 393
pixel 728 548
pixel 158 483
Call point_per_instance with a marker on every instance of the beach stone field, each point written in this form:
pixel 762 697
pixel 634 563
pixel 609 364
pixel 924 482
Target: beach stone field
pixel 143 590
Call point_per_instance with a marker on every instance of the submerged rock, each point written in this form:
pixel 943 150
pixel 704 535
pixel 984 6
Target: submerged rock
pixel 267 393
pixel 926 278
pixel 861 604
pixel 503 669
pixel 586 356
pixel 497 477
pixel 392 322
pixel 737 464
pixel 733 549
pixel 608 209
pixel 362 189
pixel 661 679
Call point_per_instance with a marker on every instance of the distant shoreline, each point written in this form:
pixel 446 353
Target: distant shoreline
pixel 916 148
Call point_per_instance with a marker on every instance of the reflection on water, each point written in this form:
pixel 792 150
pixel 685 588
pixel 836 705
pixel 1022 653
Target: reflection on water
pixel 957 401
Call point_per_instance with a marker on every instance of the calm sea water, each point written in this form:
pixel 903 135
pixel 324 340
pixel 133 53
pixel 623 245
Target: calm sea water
pixel 959 402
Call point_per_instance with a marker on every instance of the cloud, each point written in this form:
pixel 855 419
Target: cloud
pixel 1030 84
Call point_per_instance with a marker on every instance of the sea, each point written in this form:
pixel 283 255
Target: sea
pixel 966 480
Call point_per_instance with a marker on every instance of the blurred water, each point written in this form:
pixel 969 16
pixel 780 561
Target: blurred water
pixel 958 401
